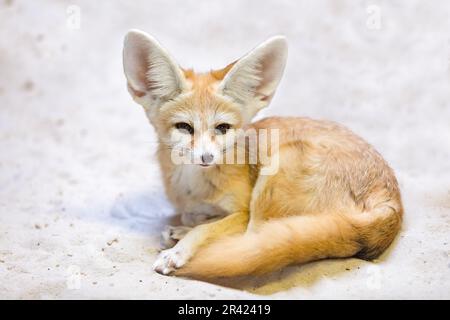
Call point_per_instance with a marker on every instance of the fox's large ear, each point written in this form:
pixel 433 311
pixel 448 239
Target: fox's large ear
pixel 153 76
pixel 253 79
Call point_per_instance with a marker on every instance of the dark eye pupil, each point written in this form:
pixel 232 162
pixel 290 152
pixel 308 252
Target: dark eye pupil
pixel 184 126
pixel 223 128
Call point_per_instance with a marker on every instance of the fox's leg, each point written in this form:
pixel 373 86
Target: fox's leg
pixel 171 259
pixel 191 219
pixel 172 234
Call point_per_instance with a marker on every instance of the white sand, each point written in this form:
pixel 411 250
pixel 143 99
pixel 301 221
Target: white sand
pixel 80 189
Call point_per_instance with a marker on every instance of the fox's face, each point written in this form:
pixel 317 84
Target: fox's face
pixel 198 116
pixel 198 127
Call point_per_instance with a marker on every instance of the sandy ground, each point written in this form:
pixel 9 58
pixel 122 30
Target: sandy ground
pixel 81 200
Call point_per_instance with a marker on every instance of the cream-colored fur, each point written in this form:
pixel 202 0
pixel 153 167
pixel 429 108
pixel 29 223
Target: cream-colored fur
pixel 333 195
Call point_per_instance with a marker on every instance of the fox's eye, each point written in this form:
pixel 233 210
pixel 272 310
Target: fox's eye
pixel 183 126
pixel 222 128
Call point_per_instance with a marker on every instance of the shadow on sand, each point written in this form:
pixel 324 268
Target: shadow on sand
pixel 295 276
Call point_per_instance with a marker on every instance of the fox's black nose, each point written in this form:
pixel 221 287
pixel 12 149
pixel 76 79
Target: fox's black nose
pixel 207 158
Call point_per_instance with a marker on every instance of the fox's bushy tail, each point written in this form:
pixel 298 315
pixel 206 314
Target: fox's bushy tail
pixel 297 239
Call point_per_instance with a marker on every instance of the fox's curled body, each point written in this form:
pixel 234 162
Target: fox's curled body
pixel 332 196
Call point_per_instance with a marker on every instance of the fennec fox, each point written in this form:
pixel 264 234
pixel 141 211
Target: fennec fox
pixel 329 194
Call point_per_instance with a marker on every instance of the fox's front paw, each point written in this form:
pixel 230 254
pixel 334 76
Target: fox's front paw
pixel 171 259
